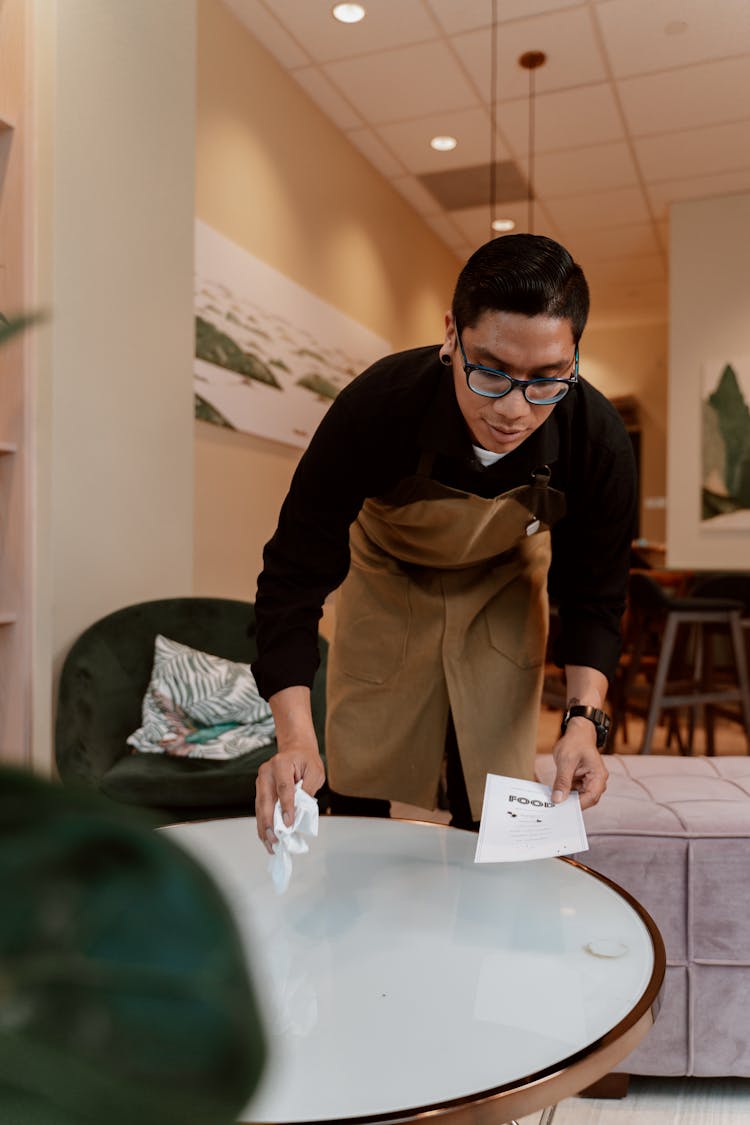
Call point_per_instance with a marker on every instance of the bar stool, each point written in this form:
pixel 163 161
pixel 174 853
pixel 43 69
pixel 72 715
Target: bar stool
pixel 734 585
pixel 653 608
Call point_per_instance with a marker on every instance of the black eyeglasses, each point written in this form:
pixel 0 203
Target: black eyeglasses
pixel 490 383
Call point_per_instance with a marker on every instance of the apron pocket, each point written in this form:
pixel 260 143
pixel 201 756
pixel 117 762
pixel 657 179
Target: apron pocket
pixel 516 624
pixel 372 626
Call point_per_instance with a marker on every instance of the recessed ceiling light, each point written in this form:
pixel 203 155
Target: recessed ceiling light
pixel 443 144
pixel 502 226
pixel 348 13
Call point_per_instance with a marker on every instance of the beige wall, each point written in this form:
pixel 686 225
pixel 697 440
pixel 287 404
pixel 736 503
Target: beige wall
pixel 276 177
pixel 632 360
pixel 114 91
pixel 709 321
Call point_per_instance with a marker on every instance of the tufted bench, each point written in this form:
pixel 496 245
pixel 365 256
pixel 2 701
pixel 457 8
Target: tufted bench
pixel 675 833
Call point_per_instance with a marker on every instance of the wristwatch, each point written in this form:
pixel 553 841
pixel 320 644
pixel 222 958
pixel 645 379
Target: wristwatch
pixel 600 719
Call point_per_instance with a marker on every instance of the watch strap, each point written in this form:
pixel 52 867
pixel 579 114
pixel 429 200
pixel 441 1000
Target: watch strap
pixel 595 715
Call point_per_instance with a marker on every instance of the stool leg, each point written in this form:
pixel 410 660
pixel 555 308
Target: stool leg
pixel 660 679
pixel 707 685
pixel 698 678
pixel 741 663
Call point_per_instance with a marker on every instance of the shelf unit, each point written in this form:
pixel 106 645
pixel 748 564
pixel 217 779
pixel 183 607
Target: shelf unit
pixel 15 535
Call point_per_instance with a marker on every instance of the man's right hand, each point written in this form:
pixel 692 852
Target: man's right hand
pixel 298 759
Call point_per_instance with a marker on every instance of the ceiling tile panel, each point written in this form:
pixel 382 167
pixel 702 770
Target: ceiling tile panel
pixel 616 242
pixel 583 170
pixel 388 23
pixel 468 15
pixel 376 152
pixel 475 221
pixel 459 188
pixel 327 97
pixel 648 35
pixel 695 152
pixel 567 38
pixel 634 270
pixel 698 187
pixel 600 209
pixel 642 300
pixel 446 229
pixel 708 94
pixel 267 29
pixel 415 194
pixel 398 85
pixel 410 140
pixel 568 118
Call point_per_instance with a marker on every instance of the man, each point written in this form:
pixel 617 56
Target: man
pixel 437 489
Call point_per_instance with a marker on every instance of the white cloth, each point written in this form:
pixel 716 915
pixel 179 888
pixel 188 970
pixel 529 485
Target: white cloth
pixel 290 839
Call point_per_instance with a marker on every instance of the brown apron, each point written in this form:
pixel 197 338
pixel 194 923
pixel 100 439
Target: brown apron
pixel 444 609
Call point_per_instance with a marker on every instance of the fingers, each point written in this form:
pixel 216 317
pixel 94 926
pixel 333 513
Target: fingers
pixel 562 785
pixel 276 781
pixel 313 778
pixel 594 784
pixel 583 771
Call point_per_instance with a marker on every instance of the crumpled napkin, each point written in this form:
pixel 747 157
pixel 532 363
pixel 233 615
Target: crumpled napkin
pixel 290 839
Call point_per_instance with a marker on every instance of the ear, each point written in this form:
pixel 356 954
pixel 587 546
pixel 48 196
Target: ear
pixel 450 332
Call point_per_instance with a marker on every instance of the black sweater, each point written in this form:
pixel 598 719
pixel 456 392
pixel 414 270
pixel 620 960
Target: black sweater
pixel 372 436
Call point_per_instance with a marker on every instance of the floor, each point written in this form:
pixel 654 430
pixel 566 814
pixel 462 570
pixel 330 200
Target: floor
pixel 650 1101
pixel 662 1101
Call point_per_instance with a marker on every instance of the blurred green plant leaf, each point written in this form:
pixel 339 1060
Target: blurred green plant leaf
pixel 12 326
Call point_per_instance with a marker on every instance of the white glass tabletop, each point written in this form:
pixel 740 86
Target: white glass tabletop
pixel 397 976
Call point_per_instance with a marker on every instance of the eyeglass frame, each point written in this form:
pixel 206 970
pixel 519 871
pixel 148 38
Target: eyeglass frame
pixel 468 367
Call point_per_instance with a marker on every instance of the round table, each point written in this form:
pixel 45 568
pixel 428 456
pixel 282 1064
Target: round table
pixel 399 978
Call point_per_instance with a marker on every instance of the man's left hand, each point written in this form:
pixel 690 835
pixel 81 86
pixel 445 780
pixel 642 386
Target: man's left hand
pixel 579 764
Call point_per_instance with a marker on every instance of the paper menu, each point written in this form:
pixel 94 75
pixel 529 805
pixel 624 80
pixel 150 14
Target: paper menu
pixel 519 821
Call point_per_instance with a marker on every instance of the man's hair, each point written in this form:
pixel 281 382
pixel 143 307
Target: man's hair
pixel 522 273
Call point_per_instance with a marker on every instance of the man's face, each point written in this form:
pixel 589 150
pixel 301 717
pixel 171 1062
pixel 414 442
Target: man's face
pixel 525 347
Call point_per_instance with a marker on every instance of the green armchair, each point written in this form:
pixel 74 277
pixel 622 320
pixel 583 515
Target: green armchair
pixel 103 681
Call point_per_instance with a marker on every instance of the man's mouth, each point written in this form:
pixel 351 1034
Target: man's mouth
pixel 505 433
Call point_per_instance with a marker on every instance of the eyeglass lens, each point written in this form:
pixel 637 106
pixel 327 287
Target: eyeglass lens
pixel 541 393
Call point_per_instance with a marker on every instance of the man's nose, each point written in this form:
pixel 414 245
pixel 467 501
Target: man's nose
pixel 512 405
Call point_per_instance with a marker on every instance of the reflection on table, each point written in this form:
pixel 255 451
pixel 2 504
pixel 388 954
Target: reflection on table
pixel 397 975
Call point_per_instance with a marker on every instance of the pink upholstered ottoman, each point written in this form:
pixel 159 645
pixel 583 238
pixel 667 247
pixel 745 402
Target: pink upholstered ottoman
pixel 675 833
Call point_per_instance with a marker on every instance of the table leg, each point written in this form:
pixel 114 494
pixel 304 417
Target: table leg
pixel 547 1117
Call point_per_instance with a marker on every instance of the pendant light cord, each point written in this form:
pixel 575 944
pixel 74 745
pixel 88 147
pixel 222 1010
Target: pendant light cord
pixel 531 151
pixel 493 119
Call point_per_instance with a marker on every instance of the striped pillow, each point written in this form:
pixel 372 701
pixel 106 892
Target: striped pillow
pixel 201 706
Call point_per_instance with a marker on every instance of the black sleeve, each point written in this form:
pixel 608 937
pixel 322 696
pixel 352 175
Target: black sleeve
pixel 308 555
pixel 591 545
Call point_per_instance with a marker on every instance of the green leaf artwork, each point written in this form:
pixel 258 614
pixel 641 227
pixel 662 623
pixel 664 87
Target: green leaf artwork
pixel 205 412
pixel 320 385
pixel 726 447
pixel 270 356
pixel 10 327
pixel 217 347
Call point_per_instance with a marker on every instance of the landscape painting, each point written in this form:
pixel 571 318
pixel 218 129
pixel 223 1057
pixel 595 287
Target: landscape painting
pixel 725 493
pixel 270 356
